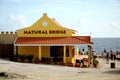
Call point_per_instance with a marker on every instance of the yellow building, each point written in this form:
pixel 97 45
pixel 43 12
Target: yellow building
pixel 46 38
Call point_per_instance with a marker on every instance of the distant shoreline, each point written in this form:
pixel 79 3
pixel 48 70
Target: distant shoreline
pixel 104 43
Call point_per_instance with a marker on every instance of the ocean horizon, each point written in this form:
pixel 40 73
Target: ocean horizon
pixel 104 43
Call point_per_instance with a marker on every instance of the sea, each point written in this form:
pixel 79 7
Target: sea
pixel 101 44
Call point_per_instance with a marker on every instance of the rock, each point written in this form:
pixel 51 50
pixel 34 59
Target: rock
pixel 7 75
pixel 3 74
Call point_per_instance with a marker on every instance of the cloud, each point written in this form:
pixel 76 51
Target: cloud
pixel 13 22
pixel 82 26
pixel 115 25
pixel 110 30
pixel 18 18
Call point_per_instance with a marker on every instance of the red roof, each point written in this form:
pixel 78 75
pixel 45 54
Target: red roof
pixel 54 40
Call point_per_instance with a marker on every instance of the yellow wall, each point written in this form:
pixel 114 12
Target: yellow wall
pixel 26 50
pixel 34 50
pixel 69 59
pixel 45 51
pixel 39 30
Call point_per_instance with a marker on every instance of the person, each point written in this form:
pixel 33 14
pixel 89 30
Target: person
pixel 83 51
pixel 79 52
pixel 117 52
pixel 114 56
pixel 82 62
pixel 104 50
pixel 107 58
pixel 94 54
pixel 111 55
pixel 104 54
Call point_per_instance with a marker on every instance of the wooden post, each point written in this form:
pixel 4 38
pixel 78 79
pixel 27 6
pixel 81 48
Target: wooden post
pixel 90 56
pixel 76 53
pixel 64 57
pixel 39 52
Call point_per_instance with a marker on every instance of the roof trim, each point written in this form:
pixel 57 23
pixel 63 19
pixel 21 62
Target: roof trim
pixel 50 44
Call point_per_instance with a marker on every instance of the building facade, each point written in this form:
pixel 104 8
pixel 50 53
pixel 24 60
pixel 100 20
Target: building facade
pixel 7 44
pixel 46 38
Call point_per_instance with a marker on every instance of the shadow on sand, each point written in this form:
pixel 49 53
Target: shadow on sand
pixel 112 72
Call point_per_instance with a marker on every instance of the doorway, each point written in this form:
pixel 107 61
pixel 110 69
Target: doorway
pixel 56 51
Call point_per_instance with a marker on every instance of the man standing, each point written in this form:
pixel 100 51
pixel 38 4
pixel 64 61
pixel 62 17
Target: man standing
pixel 107 58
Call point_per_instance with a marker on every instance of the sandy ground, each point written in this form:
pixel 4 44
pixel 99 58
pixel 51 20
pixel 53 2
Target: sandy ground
pixel 26 71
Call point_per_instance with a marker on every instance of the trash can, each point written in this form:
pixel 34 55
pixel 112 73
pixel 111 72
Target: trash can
pixel 112 65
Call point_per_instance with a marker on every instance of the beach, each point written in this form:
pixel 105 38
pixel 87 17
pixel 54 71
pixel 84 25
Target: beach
pixel 31 71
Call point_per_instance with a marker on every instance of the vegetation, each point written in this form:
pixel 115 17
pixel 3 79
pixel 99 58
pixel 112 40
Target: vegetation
pixel 22 57
pixel 46 60
pixel 95 62
pixel 29 57
pixel 36 60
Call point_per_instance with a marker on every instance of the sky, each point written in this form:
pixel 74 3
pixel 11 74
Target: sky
pixel 97 18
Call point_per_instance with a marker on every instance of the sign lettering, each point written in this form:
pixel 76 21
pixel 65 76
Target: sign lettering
pixel 45 32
